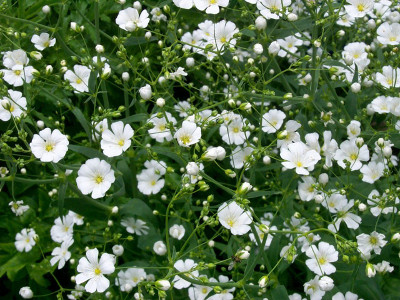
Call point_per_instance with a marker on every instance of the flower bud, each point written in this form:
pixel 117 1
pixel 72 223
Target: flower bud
pixel 326 283
pixel 163 284
pixel 362 207
pixel 262 283
pixel 258 48
pixel 49 69
pixel 99 48
pixel 114 210
pixel 355 87
pixel 118 250
pixel 282 135
pixel 160 102
pixel 323 178
pixel 125 76
pixel 36 55
pixel 137 5
pixel 266 160
pixel 348 59
pixel 190 62
pixel 319 198
pixel 359 142
pixel 395 237
pixel 26 292
pixel 264 228
pixel 292 17
pixel 160 248
pixel 245 188
pixel 243 254
pixel 370 270
pixel 46 9
pixel 387 151
pixel 145 92
pixel 261 23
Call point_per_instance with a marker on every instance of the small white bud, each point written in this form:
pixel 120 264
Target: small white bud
pixel 192 168
pixel 326 283
pixel 145 92
pixel 160 102
pixel 362 207
pixel 23 171
pixel 147 35
pixel 46 9
pixel 387 151
pixel 99 48
pixel 160 248
pixel 26 292
pixel 190 62
pixel 125 76
pixel 137 5
pixel 40 124
pixel 258 48
pixel 292 17
pixel 261 23
pixel 114 210
pixel 355 87
pixel 319 198
pixel 323 178
pixel 118 250
pixel 243 254
pixel 163 285
pixel 211 243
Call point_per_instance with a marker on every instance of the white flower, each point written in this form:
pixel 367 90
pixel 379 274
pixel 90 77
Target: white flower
pixel 186 267
pixel 382 104
pixel 177 231
pixel 180 72
pixel 272 120
pixel 334 202
pixel 99 128
pixel 157 14
pixel 159 248
pixel 16 57
pixel 25 240
pixel 26 292
pixel 92 270
pixel 292 135
pixel 350 152
pixel 149 182
pixel 95 177
pixel 225 294
pixel 306 190
pixel 221 33
pixel 160 132
pixel 192 168
pixel 240 156
pixel 234 218
pixel 347 296
pixel 42 41
pixel 389 34
pixel 210 6
pixel 371 242
pixel 14 105
pixel 383 267
pixel 381 204
pixel 353 129
pixel 274 48
pixel 185 4
pixel 297 155
pixel 79 78
pixel 135 226
pixel 18 208
pixel 78 219
pixel 118 140
pixel 18 74
pixel 312 288
pixel 49 146
pixel 188 134
pixel 61 254
pixel 163 284
pixel 359 8
pixel 132 277
pixel 372 172
pixel 129 19
pixel 232 132
pixel 272 9
pixel 321 258
pixel 390 77
pixel 290 44
pixel 62 229
pixel 352 220
pixel 199 292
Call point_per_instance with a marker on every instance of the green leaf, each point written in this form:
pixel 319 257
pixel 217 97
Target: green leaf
pixel 88 208
pixel 135 118
pixel 86 151
pixel 82 120
pixel 137 207
pixel 279 293
pixel 257 194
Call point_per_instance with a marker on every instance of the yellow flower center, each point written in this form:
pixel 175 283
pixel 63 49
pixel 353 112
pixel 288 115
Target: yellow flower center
pixel 231 222
pixel 356 55
pixel 49 147
pixel 223 39
pixel 213 2
pixel 27 240
pixel 153 182
pixel 373 240
pixel 204 290
pixel 98 179
pixel 361 7
pixel 236 129
pixel 311 189
pixel 389 81
pixel 11 108
pixel 97 271
pixel 299 164
pixel 353 156
pixel 79 81
pixel 46 44
pixel 185 139
pixel 17 72
pixel 161 127
pixel 290 45
pixel 66 228
pixel 392 39
pixel 135 279
pixel 121 142
pixel 15 206
pixel 322 260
